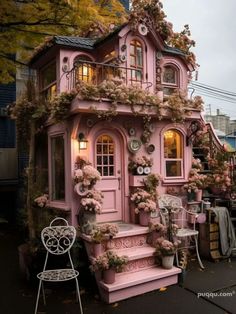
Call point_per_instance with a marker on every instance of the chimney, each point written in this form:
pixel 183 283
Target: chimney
pixel 217 112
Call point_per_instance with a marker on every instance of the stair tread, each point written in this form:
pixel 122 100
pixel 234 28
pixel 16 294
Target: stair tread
pixel 125 280
pixel 136 252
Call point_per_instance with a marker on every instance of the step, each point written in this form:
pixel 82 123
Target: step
pixel 128 285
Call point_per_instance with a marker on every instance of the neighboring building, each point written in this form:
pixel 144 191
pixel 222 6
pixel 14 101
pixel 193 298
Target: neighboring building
pixel 220 121
pixel 8 156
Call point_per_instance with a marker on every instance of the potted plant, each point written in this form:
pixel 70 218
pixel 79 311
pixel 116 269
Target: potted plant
pixel 166 250
pixel 109 263
pixel 140 165
pixel 196 183
pixel 101 233
pixel 144 205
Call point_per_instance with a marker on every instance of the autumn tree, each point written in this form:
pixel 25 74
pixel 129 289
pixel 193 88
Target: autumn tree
pixel 25 23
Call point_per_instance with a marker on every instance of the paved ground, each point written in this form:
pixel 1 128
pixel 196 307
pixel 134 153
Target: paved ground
pixel 18 295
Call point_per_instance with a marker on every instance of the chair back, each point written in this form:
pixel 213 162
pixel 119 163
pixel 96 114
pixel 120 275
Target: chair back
pixel 167 200
pixel 58 239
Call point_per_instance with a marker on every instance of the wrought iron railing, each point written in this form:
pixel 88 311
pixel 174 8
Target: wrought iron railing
pixel 95 73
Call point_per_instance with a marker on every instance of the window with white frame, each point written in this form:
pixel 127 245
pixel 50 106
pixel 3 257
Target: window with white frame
pixel 173 154
pixel 170 79
pixel 48 81
pixel 58 168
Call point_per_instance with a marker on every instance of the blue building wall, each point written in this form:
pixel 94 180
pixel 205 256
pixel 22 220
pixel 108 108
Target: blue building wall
pixel 7 126
pixel 125 3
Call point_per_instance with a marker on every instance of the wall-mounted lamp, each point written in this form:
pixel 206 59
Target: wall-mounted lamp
pixel 83 143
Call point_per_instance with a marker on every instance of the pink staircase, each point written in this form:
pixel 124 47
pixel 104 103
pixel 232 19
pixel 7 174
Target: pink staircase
pixel 141 273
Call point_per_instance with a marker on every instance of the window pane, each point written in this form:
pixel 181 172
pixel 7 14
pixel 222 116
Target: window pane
pixel 173 168
pixel 49 75
pixel 99 160
pixel 58 168
pixel 105 160
pixel 169 75
pixel 132 61
pixel 139 56
pixel 105 156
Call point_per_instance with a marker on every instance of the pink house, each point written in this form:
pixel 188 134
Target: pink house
pixel 108 134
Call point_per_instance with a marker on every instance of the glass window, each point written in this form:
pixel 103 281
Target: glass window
pixel 136 61
pixel 58 168
pixel 169 79
pixel 48 81
pixel 173 153
pixel 85 71
pixel 105 155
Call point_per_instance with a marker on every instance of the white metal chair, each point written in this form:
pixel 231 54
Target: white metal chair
pixel 58 240
pixel 179 214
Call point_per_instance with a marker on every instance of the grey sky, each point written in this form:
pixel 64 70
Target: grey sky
pixel 213 26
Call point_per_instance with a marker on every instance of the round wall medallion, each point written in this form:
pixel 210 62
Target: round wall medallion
pixel 80 190
pixel 134 145
pixel 140 170
pixel 132 131
pixel 151 127
pixel 150 148
pixel 147 170
pixel 89 123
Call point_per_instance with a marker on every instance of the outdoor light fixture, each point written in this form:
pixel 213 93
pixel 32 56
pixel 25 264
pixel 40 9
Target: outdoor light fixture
pixel 82 141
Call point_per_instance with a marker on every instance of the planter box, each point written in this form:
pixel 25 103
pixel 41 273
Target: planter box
pixel 136 180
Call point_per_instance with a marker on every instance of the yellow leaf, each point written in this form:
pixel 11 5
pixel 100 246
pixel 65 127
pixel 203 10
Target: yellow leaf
pixel 163 289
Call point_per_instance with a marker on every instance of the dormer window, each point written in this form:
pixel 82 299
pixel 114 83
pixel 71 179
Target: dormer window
pixel 169 79
pixel 85 71
pixel 48 81
pixel 136 61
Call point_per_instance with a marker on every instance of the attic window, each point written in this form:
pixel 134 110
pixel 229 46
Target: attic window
pixel 136 61
pixel 169 79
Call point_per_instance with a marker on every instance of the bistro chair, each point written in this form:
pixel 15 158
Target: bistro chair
pixel 171 210
pixel 58 240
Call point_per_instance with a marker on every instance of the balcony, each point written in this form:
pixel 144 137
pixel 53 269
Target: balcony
pixel 95 73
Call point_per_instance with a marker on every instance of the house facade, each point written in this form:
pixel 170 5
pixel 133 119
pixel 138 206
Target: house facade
pixel 130 102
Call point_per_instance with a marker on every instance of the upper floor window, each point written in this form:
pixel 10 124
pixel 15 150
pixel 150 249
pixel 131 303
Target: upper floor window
pixel 173 153
pixel 58 168
pixel 169 79
pixel 136 61
pixel 49 81
pixel 85 71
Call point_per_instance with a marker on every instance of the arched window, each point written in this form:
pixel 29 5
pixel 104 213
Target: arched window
pixel 173 153
pixel 170 79
pixel 136 61
pixel 105 155
pixel 85 71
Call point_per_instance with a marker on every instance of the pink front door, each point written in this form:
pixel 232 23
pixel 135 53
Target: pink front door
pixel 108 161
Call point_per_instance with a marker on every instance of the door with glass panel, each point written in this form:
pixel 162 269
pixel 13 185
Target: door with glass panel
pixel 108 162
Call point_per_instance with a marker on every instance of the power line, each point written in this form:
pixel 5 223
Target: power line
pixel 214 89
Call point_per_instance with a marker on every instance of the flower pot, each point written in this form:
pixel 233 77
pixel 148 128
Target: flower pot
pixel 168 261
pixel 190 196
pixel 88 221
pixel 109 275
pixel 97 249
pixel 144 218
pixel 198 195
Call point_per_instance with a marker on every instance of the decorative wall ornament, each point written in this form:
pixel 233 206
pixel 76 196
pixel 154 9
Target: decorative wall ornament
pixel 123 47
pixel 158 71
pixel 126 242
pixel 132 132
pixel 89 123
pixel 134 145
pixel 142 29
pixel 122 58
pixel 150 148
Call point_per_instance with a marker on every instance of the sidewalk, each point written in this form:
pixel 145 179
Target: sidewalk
pixel 18 296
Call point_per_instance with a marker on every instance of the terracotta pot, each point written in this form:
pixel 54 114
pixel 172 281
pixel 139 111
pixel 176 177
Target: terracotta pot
pixel 168 261
pixel 198 195
pixel 144 218
pixel 109 275
pixel 97 249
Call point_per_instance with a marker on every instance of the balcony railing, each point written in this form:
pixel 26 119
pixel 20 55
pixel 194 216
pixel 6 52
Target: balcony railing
pixel 95 73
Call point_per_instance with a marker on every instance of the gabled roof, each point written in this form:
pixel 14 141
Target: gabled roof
pixel 75 41
pixel 172 50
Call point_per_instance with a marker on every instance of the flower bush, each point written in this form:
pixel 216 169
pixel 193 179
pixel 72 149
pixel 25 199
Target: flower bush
pixel 108 260
pixel 91 205
pixel 143 201
pixel 196 181
pixel 88 176
pixel 165 247
pixel 104 232
pixel 42 201
pixel 136 162
pixel 151 183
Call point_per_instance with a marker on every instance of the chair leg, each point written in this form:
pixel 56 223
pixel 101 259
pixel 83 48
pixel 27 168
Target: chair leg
pixel 37 300
pixel 198 256
pixel 78 295
pixel 177 258
pixel 44 299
